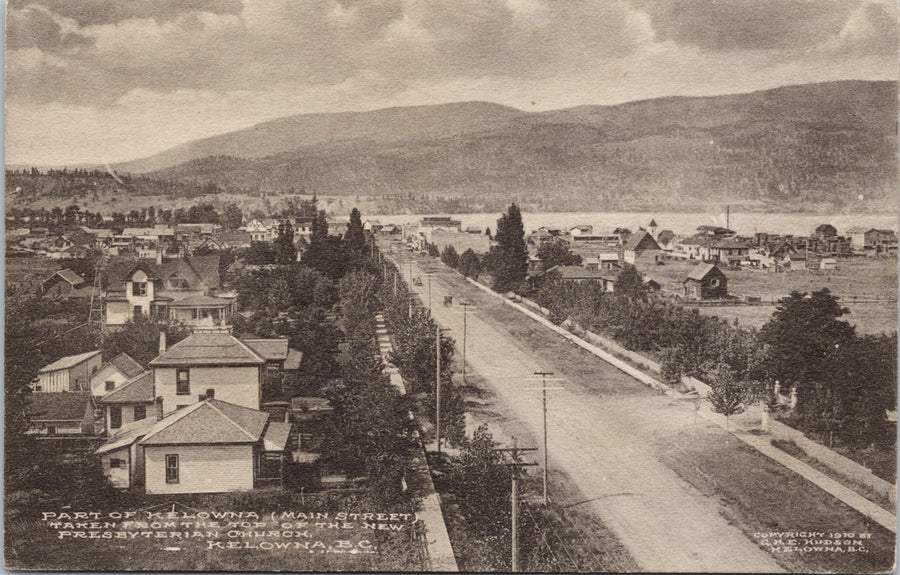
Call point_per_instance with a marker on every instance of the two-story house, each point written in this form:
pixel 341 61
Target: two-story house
pixel 181 289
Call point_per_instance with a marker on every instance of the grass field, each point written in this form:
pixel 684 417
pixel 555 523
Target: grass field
pixel 866 277
pixel 709 461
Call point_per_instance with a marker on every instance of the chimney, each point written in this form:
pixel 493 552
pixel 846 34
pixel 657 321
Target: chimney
pixel 159 408
pixel 210 393
pixel 162 342
pixel 159 254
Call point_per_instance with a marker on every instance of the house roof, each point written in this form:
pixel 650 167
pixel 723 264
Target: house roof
pixel 138 389
pixel 69 361
pixel 210 421
pixel 859 230
pixel 269 349
pixel 69 276
pixel 59 406
pixel 729 243
pixel 700 272
pixel 195 270
pixel 128 366
pixel 641 239
pixel 201 301
pixel 309 403
pixel 665 236
pixel 208 349
pixel 126 435
pixel 276 436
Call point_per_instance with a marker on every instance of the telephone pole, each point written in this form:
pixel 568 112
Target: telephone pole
pixel 465 305
pixel 515 465
pixel 543 376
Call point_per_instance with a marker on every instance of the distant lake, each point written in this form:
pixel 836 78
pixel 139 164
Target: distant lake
pixel 745 224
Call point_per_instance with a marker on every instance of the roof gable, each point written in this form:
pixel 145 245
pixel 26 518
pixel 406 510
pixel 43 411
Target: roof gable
pixel 642 240
pixel 139 389
pixel 209 422
pixel 208 349
pixel 69 361
pixel 128 366
pixel 702 271
pixel 59 406
pixel 269 349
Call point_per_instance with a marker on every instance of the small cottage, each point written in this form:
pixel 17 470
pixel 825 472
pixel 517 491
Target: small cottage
pixel 706 281
pixel 70 373
pixel 61 413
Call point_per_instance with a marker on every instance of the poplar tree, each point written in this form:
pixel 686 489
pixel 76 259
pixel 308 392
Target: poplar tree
pixel 512 263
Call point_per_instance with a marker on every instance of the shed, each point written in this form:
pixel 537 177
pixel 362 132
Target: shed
pixel 706 281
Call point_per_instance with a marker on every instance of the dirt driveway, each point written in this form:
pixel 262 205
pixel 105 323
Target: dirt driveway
pixel 602 433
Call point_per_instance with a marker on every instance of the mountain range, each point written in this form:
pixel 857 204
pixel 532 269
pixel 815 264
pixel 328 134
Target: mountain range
pixel 817 146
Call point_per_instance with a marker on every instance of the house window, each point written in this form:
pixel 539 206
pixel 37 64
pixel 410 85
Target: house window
pixel 714 282
pixel 115 416
pixel 171 468
pixel 109 385
pixel 137 312
pixel 138 288
pixel 140 412
pixel 116 463
pixel 182 381
pixel 51 429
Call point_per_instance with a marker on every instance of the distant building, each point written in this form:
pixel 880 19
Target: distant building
pixel 578 274
pixel 825 231
pixel 641 247
pixel 441 224
pixel 71 373
pixel 706 281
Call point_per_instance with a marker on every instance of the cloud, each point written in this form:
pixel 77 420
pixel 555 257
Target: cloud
pixel 115 59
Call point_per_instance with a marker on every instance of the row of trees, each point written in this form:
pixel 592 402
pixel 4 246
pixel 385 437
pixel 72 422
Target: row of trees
pixel 845 382
pixel 228 215
pixel 415 354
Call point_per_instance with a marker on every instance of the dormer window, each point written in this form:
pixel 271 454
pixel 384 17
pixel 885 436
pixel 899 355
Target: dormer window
pixel 138 288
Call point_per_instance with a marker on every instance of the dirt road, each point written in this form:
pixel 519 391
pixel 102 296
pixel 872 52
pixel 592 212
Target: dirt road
pixel 602 431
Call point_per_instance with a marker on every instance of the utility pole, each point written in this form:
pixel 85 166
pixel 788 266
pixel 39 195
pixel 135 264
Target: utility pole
pixel 465 314
pixel 429 292
pixel 543 376
pixel 515 465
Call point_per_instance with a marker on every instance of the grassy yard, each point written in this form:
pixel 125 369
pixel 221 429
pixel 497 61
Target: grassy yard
pixel 270 542
pixel 854 277
pixel 742 478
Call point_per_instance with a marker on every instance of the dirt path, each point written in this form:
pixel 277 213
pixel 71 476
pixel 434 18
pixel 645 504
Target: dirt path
pixel 602 431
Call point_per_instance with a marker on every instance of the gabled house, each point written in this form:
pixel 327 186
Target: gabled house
pixel 205 364
pixel 578 274
pixel 71 373
pixel 209 447
pixel 706 281
pixel 65 284
pixel 128 403
pixel 151 289
pixel 114 373
pixel 641 247
pixel 69 414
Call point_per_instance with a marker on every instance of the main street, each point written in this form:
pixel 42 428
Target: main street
pixel 603 428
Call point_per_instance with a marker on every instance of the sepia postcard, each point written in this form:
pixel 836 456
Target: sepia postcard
pixel 470 285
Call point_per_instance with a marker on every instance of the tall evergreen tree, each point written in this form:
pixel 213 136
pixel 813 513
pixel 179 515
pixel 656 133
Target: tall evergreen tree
pixel 512 266
pixel 285 251
pixel 355 237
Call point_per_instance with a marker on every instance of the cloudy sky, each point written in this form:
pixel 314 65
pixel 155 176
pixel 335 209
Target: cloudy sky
pixel 99 80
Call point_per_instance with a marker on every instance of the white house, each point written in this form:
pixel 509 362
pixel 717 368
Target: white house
pixel 170 290
pixel 71 373
pixel 114 373
pixel 208 362
pixel 209 447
